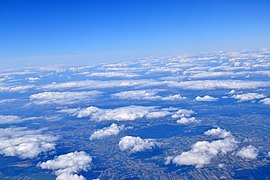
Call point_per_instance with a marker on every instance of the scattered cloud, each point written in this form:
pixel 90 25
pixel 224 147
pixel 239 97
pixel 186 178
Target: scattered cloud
pixel 248 96
pixel 248 152
pixel 68 166
pixel 206 98
pixel 112 130
pixel 24 143
pixel 136 144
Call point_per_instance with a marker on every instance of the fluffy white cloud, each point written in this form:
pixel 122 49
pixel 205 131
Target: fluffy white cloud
pixel 265 101
pixel 147 95
pixel 218 132
pixel 248 96
pixel 206 98
pixel 67 166
pixel 202 152
pixel 185 116
pixel 186 120
pixel 24 143
pixel 136 144
pixel 248 152
pixel 112 130
pixel 62 98
pixel 127 113
pixel 218 84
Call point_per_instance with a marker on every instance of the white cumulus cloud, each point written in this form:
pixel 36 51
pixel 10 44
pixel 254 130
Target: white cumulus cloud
pixel 186 120
pixel 136 144
pixel 112 130
pixel 248 152
pixel 206 98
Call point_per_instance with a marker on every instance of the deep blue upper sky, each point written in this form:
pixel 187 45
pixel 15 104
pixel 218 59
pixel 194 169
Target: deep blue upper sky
pixel 41 32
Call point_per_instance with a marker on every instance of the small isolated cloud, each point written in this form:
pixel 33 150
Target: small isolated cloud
pixel 63 98
pixel 147 95
pixel 24 143
pixel 127 113
pixel 202 152
pixel 186 120
pixel 67 166
pixel 248 152
pixel 112 130
pixel 265 101
pixel 136 144
pixel 248 96
pixel 206 98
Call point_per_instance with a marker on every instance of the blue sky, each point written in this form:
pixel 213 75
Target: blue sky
pixel 46 32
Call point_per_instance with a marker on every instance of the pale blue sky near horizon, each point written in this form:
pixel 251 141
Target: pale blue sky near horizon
pixel 48 32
